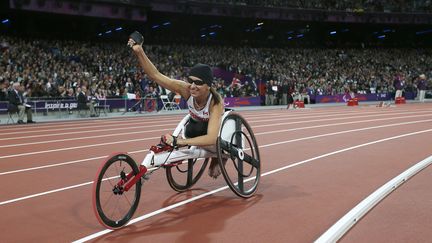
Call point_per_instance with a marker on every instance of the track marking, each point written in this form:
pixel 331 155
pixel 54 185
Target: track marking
pixel 77 147
pixel 73 126
pixel 192 199
pixel 143 139
pixel 64 163
pixel 261 146
pixel 164 129
pixel 335 232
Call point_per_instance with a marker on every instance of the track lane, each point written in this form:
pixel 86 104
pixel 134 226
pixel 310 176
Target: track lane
pixel 180 223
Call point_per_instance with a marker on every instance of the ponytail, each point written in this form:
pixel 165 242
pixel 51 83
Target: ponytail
pixel 217 98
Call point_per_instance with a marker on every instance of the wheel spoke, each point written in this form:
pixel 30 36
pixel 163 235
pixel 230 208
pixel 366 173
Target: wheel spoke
pixel 234 153
pixel 252 161
pixel 116 208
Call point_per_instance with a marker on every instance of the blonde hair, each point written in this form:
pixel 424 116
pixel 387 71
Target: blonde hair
pixel 217 98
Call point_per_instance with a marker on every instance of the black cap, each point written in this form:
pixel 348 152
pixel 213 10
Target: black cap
pixel 203 72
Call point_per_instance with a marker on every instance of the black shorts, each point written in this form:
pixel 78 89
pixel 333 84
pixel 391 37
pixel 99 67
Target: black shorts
pixel 195 128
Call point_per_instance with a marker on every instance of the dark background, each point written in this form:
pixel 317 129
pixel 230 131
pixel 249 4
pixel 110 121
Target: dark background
pixel 214 30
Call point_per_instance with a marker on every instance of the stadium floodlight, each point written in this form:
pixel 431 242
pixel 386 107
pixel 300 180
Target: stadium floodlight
pixel 424 32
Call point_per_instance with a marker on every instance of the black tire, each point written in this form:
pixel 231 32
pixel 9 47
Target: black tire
pixel 181 177
pixel 242 170
pixel 106 192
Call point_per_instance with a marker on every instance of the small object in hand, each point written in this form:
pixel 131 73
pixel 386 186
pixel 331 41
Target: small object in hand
pixel 137 38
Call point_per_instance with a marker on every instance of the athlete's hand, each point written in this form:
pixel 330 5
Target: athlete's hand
pixel 135 40
pixel 170 140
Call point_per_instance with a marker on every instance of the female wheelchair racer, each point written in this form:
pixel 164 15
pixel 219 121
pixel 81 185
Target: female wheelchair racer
pixel 206 132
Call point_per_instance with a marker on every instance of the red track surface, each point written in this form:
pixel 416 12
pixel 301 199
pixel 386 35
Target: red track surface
pixel 296 204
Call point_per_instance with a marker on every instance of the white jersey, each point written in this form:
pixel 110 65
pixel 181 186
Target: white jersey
pixel 202 115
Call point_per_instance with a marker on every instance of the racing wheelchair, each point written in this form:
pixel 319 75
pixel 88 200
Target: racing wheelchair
pixel 117 186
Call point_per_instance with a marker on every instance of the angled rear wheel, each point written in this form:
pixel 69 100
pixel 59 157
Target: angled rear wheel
pixel 183 176
pixel 238 155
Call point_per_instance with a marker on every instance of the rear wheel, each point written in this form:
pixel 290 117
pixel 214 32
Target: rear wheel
pixel 114 206
pixel 238 155
pixel 183 176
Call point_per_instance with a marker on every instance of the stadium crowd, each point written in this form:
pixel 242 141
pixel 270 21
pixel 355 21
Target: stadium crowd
pixel 58 68
pixel 345 5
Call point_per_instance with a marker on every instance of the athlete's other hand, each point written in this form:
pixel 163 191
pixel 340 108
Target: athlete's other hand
pixel 169 139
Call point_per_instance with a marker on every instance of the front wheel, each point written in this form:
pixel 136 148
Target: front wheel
pixel 112 205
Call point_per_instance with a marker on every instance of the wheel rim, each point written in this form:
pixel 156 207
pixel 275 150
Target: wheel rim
pixel 242 174
pixel 179 178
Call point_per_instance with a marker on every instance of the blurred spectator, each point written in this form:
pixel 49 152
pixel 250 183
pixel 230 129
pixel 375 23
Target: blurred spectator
pixel 85 101
pixel 421 86
pixel 18 104
pixel 399 84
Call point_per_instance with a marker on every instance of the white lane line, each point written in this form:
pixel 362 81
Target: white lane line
pixel 272 144
pixel 81 138
pixel 63 163
pixel 154 213
pixel 331 119
pixel 79 132
pixel 126 141
pixel 288 141
pixel 143 122
pixel 165 129
pixel 77 147
pixel 338 124
pixel 77 126
pixel 141 218
pixel 45 193
pixel 118 127
pixel 335 232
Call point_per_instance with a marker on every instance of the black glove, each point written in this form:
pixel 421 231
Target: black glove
pixel 137 37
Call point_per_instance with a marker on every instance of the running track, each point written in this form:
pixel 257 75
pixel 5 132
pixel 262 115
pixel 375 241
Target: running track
pixel 338 157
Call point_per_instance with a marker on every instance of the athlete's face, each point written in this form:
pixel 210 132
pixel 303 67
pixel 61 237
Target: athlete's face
pixel 197 87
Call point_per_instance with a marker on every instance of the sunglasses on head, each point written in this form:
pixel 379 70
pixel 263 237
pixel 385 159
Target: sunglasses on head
pixel 196 81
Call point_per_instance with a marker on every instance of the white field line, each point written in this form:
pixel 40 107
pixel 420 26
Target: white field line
pixel 262 146
pixel 173 124
pixel 165 129
pixel 68 125
pixel 141 122
pixel 195 198
pixel 295 140
pixel 77 147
